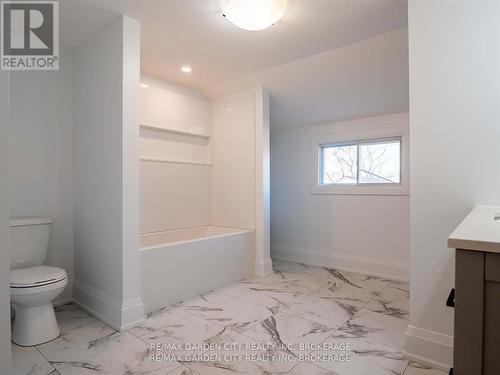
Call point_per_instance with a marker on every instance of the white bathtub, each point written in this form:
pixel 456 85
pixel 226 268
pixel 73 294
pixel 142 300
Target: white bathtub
pixel 181 264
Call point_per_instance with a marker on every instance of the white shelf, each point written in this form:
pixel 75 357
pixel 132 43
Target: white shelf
pixel 174 161
pixel 174 131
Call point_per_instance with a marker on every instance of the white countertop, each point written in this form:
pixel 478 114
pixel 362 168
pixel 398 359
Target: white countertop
pixel 478 231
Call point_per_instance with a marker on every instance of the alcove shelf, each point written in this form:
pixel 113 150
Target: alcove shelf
pixel 175 161
pixel 174 131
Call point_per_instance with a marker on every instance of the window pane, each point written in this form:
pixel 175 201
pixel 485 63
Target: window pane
pixel 379 162
pixel 339 164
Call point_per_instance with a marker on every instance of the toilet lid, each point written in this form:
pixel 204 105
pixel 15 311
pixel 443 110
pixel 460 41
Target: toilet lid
pixel 35 276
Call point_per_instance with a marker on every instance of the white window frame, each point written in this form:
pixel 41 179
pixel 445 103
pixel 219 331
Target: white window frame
pixel 401 188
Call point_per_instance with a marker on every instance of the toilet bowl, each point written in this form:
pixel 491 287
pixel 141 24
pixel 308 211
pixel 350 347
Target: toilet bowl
pixel 32 291
pixel 33 286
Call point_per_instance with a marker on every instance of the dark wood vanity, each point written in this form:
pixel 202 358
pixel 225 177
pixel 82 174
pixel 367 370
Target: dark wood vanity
pixel 477 293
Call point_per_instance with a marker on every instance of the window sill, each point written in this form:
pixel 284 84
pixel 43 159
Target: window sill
pixel 361 190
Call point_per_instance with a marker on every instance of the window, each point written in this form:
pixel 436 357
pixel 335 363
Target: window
pixel 370 162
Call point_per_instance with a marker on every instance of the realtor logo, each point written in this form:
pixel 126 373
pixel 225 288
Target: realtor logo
pixel 30 35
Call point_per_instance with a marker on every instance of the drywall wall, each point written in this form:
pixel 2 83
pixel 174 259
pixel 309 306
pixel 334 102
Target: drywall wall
pixel 365 233
pixel 106 135
pixel 362 79
pixel 233 155
pixel 41 156
pixel 175 150
pixel 5 346
pixel 455 142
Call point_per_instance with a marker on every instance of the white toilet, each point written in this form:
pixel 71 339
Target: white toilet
pixel 33 286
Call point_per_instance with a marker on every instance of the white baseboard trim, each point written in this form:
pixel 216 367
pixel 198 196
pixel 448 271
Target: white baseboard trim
pixel 346 262
pixel 429 347
pixel 119 315
pixel 263 266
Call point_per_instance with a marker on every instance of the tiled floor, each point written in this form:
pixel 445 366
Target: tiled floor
pixel 300 320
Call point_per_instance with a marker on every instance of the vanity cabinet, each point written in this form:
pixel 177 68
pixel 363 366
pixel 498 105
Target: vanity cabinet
pixel 477 293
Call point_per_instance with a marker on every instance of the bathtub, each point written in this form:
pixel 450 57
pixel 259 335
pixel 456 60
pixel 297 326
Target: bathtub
pixel 180 264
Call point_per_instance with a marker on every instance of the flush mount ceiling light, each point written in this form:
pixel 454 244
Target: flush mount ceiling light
pixel 254 15
pixel 186 69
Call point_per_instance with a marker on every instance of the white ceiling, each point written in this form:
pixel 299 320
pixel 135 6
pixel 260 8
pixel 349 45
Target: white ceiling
pixel 177 32
pixel 326 60
pixel 363 79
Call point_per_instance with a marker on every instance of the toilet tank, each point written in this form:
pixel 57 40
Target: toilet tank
pixel 28 241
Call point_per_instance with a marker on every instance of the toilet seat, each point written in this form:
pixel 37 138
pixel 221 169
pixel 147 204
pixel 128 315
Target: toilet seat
pixel 38 276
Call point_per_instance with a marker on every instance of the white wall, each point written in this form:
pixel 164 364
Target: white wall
pixel 5 348
pixel 455 142
pixel 366 233
pixel 41 156
pixel 106 102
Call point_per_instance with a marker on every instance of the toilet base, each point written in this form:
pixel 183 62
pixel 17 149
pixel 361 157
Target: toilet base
pixel 34 325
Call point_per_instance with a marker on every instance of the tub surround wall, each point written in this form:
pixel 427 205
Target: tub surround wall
pixel 174 196
pixel 240 190
pixel 200 171
pixel 203 168
pixel 175 150
pixel 233 172
pixel 172 107
pixel 106 102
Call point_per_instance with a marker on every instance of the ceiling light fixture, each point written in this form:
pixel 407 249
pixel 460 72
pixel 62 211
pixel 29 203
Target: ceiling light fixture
pixel 186 69
pixel 254 15
pixel 144 85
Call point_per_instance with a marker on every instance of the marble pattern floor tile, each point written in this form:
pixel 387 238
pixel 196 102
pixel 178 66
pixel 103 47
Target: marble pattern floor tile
pixel 289 334
pixel 182 371
pixel 159 319
pixel 83 342
pixel 131 358
pixel 70 316
pixel 235 314
pixel 206 301
pixel 274 301
pixel 355 355
pixel 372 283
pixel 324 311
pixel 390 304
pixel 418 369
pixel 377 328
pixel 239 354
pixel 192 330
pixel 298 304
pixel 298 282
pixel 354 296
pixel 305 368
pixel 397 290
pixel 29 361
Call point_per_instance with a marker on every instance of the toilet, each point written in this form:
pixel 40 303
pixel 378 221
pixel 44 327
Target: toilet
pixel 33 286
